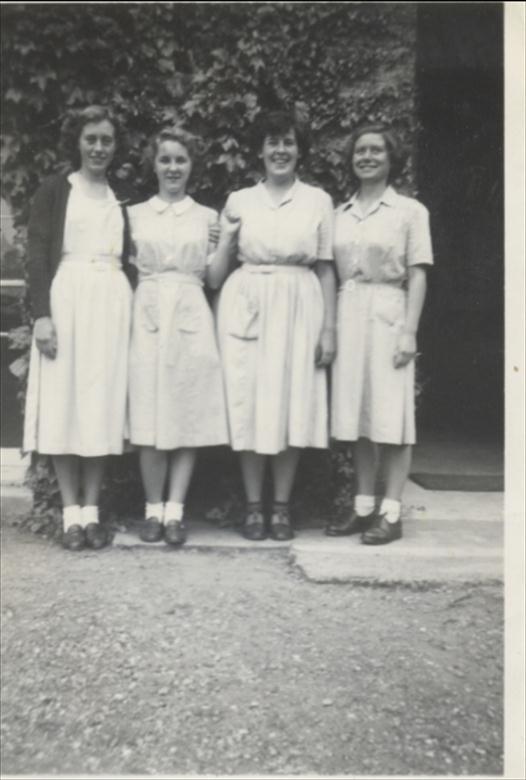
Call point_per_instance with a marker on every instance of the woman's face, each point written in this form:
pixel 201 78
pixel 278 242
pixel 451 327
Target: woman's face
pixel 280 155
pixel 370 159
pixel 172 166
pixel 97 147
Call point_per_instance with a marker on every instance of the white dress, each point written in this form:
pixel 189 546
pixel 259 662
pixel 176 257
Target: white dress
pixel 270 317
pixel 374 251
pixel 176 387
pixel 76 403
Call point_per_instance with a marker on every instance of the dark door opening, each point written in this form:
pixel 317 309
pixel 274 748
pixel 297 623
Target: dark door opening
pixel 460 168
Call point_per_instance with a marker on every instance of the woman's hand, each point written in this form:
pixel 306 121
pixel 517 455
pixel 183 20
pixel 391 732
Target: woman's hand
pixel 230 222
pixel 405 349
pixel 326 348
pixel 46 337
pixel 213 233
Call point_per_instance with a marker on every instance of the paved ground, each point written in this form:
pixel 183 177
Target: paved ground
pixel 229 661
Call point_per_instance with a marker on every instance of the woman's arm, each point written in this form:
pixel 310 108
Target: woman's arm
pixel 417 287
pixel 326 349
pixel 220 259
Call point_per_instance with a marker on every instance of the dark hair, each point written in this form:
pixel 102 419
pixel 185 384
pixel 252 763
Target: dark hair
pixel 191 143
pixel 278 123
pixel 397 154
pixel 75 122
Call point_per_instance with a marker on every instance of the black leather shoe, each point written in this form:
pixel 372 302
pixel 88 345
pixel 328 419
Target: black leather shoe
pixel 96 536
pixel 354 524
pixel 280 526
pixel 382 532
pixel 74 538
pixel 151 530
pixel 175 532
pixel 254 527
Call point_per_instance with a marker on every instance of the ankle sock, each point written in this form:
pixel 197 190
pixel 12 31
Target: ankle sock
pixel 173 510
pixel 71 516
pixel 154 510
pixel 364 505
pixel 391 509
pixel 89 514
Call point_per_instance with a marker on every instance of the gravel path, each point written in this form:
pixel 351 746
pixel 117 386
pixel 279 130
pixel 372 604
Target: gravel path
pixel 192 662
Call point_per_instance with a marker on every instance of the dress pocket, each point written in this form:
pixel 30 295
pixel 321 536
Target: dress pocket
pixel 243 319
pixel 390 307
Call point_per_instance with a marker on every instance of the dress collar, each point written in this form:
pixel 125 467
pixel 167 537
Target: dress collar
pixel 160 206
pixel 388 198
pixel 287 197
pixel 75 180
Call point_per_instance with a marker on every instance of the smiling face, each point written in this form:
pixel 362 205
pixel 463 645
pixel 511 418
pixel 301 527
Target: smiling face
pixel 96 147
pixel 172 166
pixel 370 159
pixel 280 155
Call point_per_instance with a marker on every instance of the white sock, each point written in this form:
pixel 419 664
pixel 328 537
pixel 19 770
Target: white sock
pixel 363 505
pixel 71 516
pixel 154 510
pixel 173 511
pixel 391 509
pixel 89 514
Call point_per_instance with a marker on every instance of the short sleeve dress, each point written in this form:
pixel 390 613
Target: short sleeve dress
pixel 270 316
pixel 76 403
pixel 373 252
pixel 176 396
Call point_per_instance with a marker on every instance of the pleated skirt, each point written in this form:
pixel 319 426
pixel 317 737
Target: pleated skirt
pixel 76 403
pixel 269 323
pixel 370 397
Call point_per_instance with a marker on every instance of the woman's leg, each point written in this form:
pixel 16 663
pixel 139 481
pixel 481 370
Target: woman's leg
pixel 92 472
pixel 284 467
pixel 67 469
pixel 397 464
pixel 365 461
pixel 253 472
pixel 154 468
pixel 181 468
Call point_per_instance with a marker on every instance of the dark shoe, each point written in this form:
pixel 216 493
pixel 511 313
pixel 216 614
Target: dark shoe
pixel 382 532
pixel 254 527
pixel 280 525
pixel 151 530
pixel 96 536
pixel 350 525
pixel 74 538
pixel 175 532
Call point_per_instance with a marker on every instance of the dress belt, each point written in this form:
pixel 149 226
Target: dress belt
pixel 271 268
pixel 351 284
pixel 171 275
pixel 100 261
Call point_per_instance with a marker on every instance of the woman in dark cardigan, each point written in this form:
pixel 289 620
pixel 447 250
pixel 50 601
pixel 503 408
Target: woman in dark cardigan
pixel 78 247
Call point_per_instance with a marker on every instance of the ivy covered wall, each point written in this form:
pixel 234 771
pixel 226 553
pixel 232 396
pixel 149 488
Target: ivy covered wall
pixel 213 68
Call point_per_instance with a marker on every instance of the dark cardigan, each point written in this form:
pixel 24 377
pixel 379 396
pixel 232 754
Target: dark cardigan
pixel 45 234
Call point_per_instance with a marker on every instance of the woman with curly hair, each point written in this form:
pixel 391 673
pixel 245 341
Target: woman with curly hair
pixel 176 389
pixel 382 249
pixel 276 321
pixel 78 248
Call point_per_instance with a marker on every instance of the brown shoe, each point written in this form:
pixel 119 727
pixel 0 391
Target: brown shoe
pixel 382 532
pixel 96 536
pixel 280 525
pixel 347 526
pixel 74 538
pixel 175 532
pixel 151 530
pixel 254 527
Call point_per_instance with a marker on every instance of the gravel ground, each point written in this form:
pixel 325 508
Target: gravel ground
pixel 230 663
